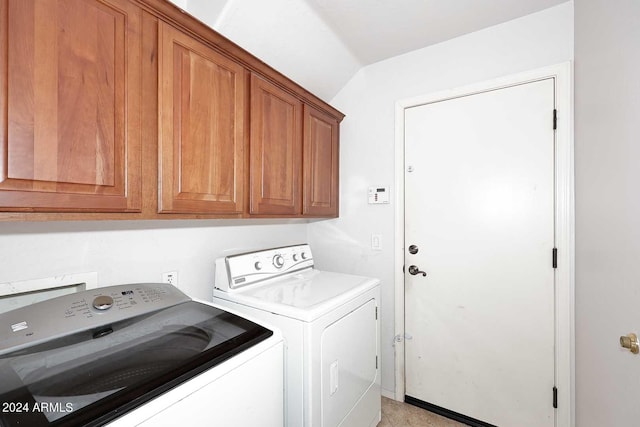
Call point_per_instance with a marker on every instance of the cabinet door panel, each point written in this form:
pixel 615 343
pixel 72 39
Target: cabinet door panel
pixel 202 127
pixel 276 150
pixel 72 101
pixel 320 163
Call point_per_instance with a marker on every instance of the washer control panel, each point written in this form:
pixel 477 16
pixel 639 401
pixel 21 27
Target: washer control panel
pixel 83 310
pixel 237 271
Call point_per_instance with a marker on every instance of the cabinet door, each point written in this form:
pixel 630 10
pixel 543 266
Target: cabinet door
pixel 276 150
pixel 201 144
pixel 320 166
pixel 70 105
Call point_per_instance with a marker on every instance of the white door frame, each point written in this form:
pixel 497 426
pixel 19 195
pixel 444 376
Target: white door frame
pixel 564 219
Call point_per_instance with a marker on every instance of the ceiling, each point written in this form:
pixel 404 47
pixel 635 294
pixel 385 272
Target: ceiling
pixel 375 30
pixel 321 44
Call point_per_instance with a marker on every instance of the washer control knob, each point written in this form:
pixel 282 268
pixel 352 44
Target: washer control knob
pixel 303 255
pixel 278 261
pixel 295 257
pixel 103 302
pixel 258 265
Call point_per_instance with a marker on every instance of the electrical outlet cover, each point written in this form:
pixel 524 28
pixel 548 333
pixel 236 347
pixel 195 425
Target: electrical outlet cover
pixel 170 277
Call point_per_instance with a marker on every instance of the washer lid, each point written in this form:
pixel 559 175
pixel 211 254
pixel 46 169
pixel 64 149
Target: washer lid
pixel 304 296
pixel 93 375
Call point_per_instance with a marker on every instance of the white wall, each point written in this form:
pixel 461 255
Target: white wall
pixel 288 35
pixel 135 251
pixel 367 136
pixel 607 153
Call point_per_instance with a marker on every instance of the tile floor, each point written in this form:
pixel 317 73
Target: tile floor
pixel 399 414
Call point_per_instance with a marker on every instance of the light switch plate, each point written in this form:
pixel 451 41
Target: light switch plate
pixel 376 242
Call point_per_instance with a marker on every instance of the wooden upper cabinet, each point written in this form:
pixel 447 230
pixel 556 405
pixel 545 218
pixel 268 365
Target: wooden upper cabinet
pixel 320 165
pixel 117 109
pixel 70 105
pixel 201 143
pixel 276 150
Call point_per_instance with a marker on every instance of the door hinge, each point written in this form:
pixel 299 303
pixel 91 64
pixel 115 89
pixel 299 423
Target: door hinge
pixel 376 361
pixel 376 313
pixel 555 397
pixel 555 119
pixel 554 258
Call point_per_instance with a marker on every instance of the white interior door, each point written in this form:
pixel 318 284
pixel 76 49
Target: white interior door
pixel 479 206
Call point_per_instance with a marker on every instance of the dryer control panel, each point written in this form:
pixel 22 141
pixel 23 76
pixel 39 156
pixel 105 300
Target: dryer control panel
pixel 237 271
pixel 79 311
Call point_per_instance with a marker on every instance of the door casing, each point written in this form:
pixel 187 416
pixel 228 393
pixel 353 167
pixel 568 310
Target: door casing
pixel 564 218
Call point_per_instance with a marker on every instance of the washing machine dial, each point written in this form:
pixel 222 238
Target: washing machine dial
pixel 258 265
pixel 303 255
pixel 103 302
pixel 278 261
pixel 295 257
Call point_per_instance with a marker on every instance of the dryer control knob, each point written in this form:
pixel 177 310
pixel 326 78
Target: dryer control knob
pixel 103 302
pixel 295 257
pixel 258 265
pixel 303 255
pixel 278 261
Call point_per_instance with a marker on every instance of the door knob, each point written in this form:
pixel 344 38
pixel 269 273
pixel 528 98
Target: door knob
pixel 413 270
pixel 629 341
pixel 413 249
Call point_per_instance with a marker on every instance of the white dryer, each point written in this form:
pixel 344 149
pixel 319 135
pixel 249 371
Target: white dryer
pixel 330 323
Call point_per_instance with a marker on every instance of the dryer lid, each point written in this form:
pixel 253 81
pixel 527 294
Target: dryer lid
pixel 304 296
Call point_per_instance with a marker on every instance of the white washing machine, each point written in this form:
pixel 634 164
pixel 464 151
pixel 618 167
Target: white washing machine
pixel 137 355
pixel 330 324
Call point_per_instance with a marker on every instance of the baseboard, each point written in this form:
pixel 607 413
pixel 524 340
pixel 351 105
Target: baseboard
pixel 446 412
pixel 388 394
